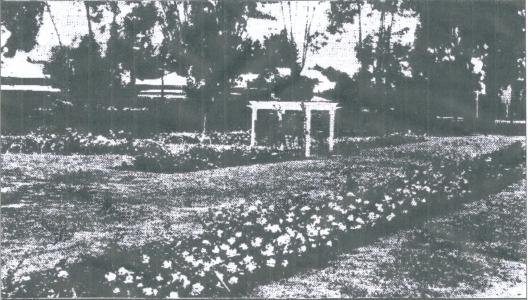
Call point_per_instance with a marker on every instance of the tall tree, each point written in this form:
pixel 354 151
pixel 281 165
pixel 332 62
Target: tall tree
pixel 215 50
pixel 23 21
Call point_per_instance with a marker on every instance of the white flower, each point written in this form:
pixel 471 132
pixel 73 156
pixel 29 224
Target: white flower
pixel 216 250
pixel 197 289
pixel 350 194
pixel 159 278
pixel 238 234
pixel 233 280
pixel 269 250
pixel 284 263
pixel 129 279
pixel 284 239
pixel 62 274
pixel 329 243
pixel 389 217
pixel 122 271
pixel 350 218
pixel 305 208
pixel 372 216
pixel 148 291
pixel 185 281
pixel 262 221
pixel 224 247
pixel 166 264
pixel 330 218
pixel 146 259
pixel 174 295
pixel 413 203
pixel 243 246
pixel 231 252
pixel 270 263
pixel 251 266
pixel 302 249
pixel 231 267
pixel 256 242
pixel 116 290
pixel 110 276
pixel 272 228
pixel 360 221
pixel 312 230
pixel 231 240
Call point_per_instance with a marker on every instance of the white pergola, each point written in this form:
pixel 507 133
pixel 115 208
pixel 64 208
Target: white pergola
pixel 317 104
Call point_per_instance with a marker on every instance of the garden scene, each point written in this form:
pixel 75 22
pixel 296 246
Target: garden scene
pixel 294 149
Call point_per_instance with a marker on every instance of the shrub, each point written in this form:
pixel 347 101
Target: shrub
pixel 353 145
pixel 158 158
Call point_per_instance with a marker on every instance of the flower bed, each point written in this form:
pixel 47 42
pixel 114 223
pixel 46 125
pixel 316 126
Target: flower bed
pixel 158 158
pixel 248 243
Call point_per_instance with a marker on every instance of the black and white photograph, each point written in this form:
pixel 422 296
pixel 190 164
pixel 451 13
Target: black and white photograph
pixel 263 149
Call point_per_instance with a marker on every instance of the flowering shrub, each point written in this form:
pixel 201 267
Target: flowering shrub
pixel 215 137
pixel 75 142
pixel 71 141
pixel 158 158
pixel 246 243
pixel 352 145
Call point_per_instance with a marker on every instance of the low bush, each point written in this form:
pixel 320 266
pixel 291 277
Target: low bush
pixel 158 158
pixel 249 243
pixel 353 145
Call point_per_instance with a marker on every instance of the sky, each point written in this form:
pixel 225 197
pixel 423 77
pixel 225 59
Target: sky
pixel 339 53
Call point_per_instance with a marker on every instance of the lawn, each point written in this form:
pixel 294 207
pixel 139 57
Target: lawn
pixel 56 207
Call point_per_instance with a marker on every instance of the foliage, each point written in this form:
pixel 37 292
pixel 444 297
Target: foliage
pixel 351 145
pixel 23 21
pixel 158 158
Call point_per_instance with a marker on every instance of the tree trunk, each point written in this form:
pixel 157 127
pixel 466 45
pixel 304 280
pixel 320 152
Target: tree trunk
pixel 89 19
pixel 53 22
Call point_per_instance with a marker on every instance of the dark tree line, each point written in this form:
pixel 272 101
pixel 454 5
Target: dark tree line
pixel 407 85
pixel 442 82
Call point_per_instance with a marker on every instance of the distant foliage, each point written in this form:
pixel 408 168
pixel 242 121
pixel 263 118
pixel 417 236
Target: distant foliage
pixel 23 21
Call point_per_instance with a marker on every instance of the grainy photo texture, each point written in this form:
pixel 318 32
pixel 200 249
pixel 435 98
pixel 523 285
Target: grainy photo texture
pixel 274 149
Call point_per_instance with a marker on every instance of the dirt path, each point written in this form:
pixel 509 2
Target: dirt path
pixel 479 251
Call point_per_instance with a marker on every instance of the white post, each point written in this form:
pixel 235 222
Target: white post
pixel 279 117
pixel 253 122
pixel 308 132
pixel 331 133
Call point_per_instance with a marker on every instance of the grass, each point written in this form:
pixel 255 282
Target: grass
pixel 479 251
pixel 62 207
